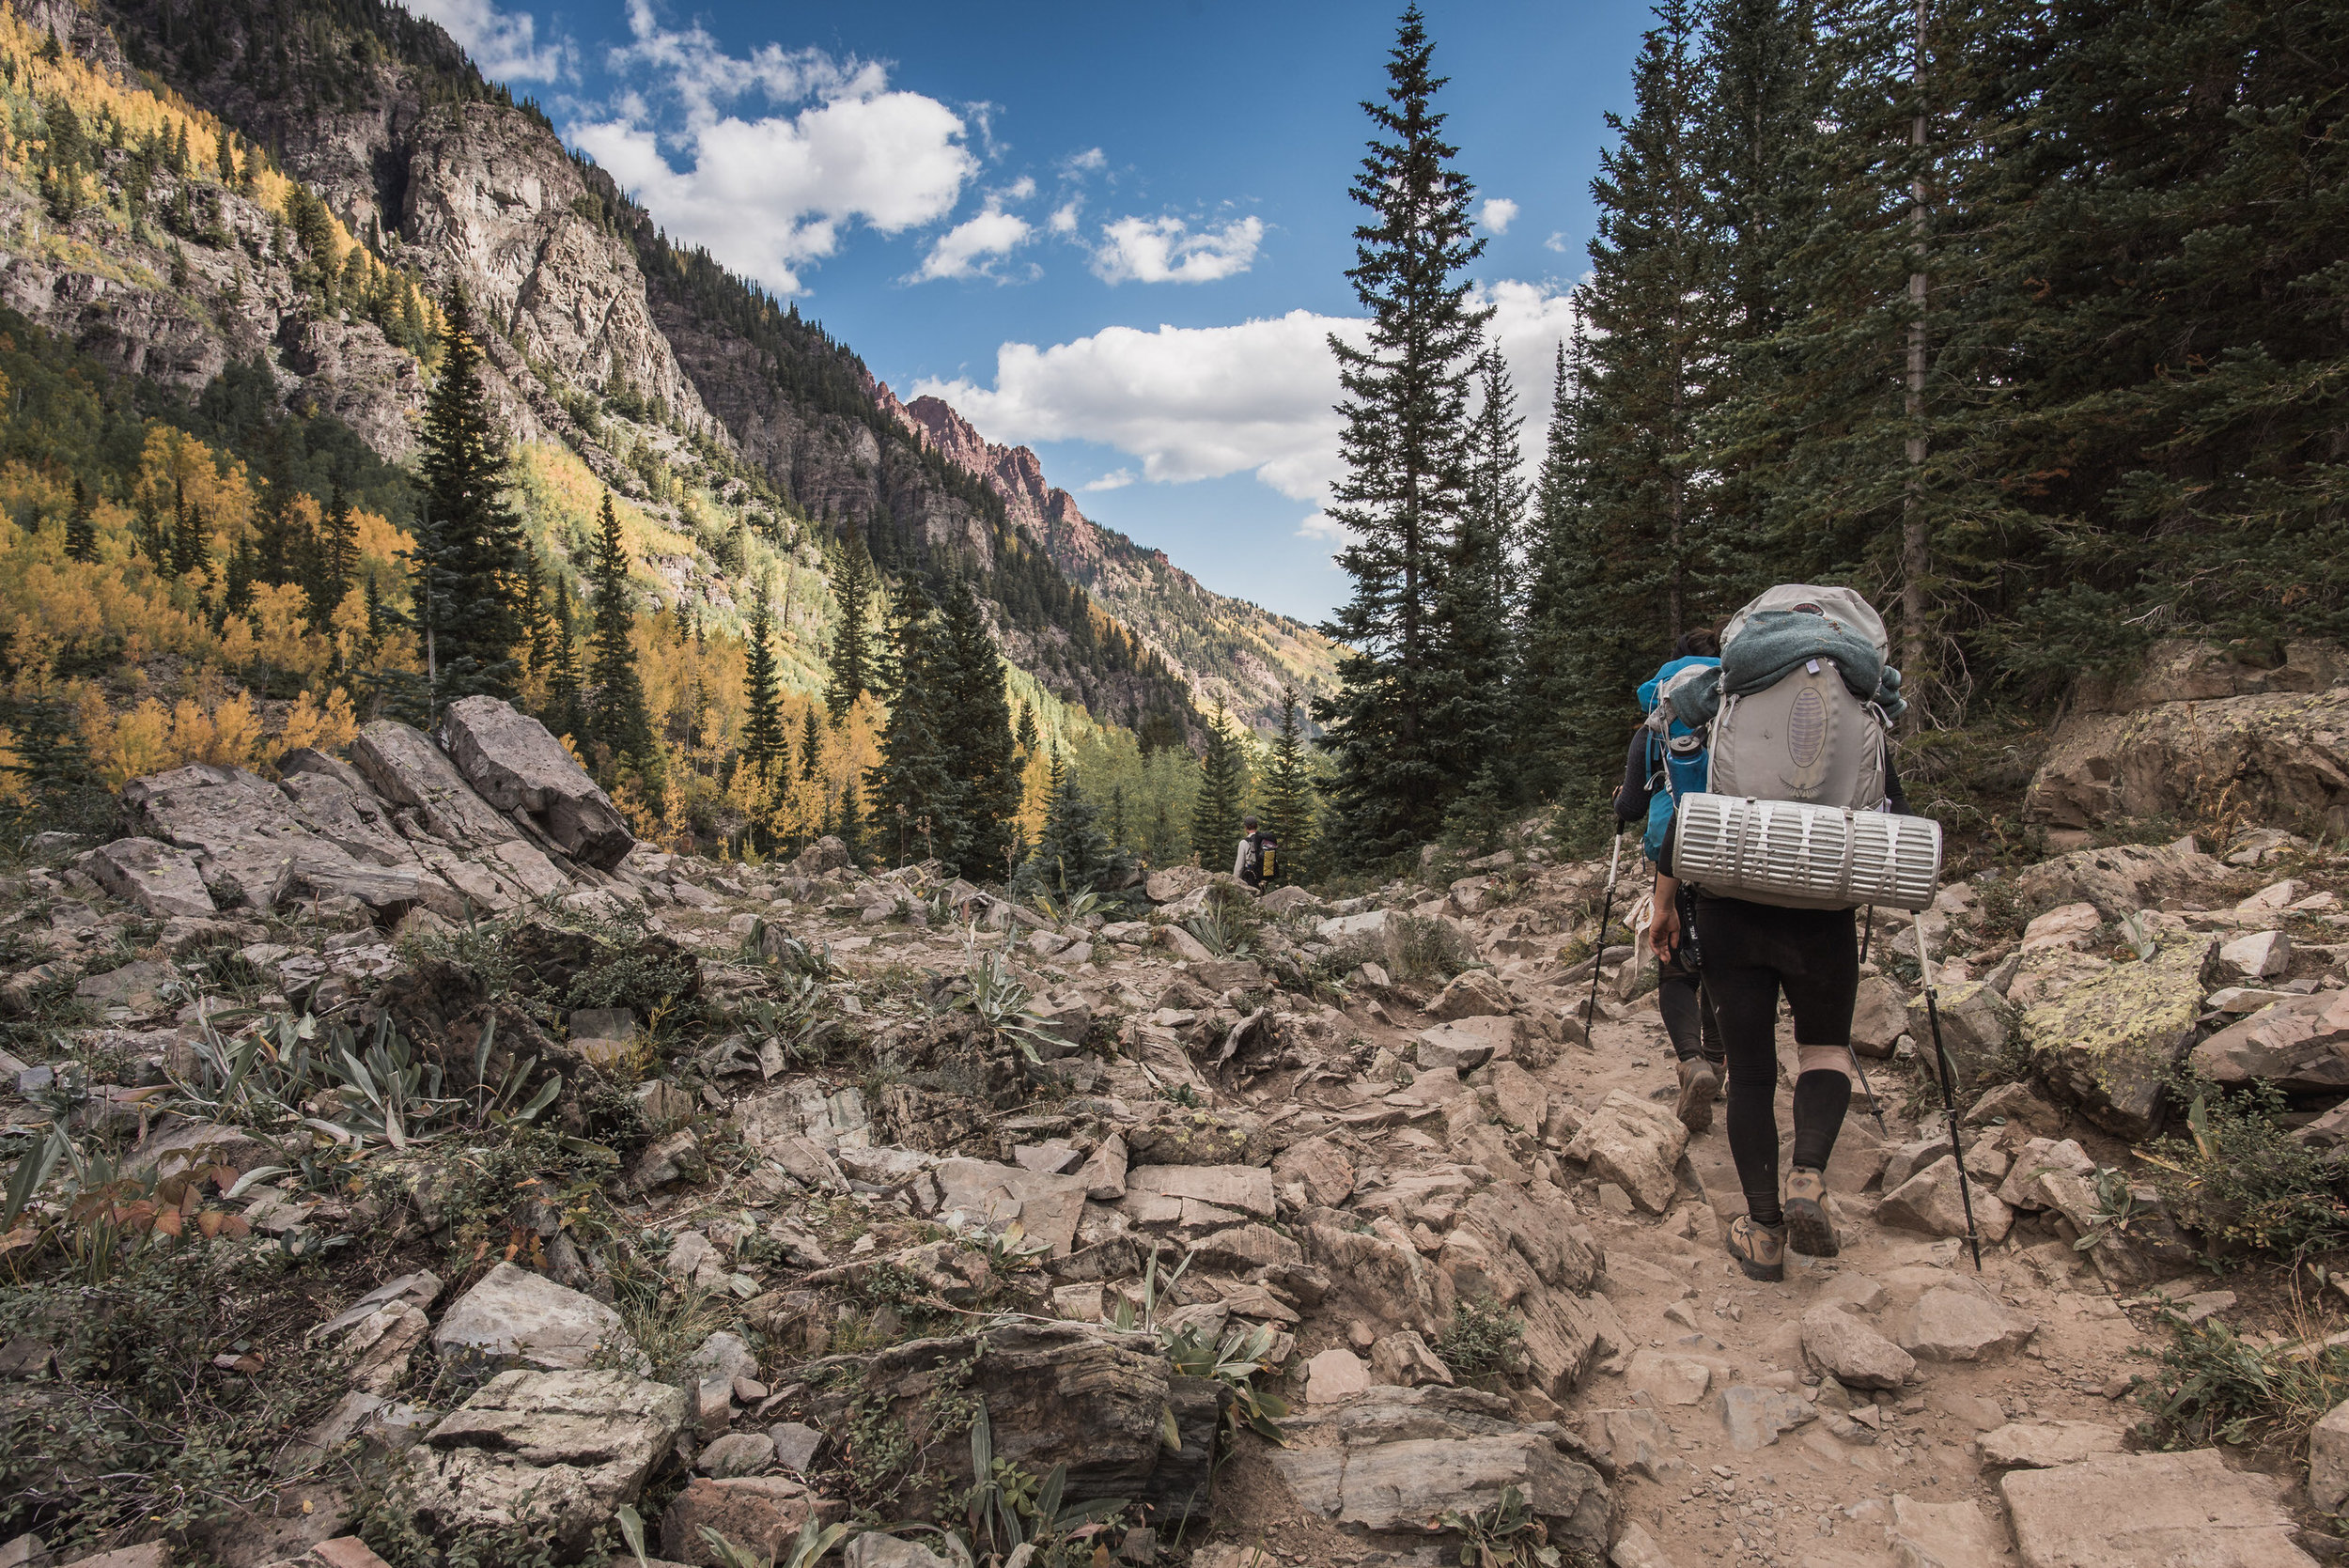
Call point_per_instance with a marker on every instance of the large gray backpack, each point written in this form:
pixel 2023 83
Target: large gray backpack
pixel 1792 812
pixel 1808 737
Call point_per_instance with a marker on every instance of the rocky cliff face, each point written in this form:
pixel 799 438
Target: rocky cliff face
pixel 1228 650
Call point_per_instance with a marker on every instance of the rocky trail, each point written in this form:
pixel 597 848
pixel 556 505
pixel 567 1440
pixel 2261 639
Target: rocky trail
pixel 736 1196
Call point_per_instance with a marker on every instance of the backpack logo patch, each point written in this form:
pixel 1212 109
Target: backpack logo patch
pixel 1806 728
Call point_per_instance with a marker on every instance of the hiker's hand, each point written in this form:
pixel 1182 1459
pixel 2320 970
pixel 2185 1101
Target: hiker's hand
pixel 1663 927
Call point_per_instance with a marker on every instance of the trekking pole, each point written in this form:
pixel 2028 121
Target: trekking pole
pixel 1949 1087
pixel 1867 932
pixel 1875 1107
pixel 1598 952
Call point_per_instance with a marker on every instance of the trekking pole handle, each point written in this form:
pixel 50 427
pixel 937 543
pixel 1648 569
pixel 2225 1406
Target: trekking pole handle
pixel 1949 1087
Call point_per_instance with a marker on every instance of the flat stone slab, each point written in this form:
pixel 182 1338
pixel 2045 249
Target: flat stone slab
pixel 515 1319
pixel 2044 1445
pixel 2141 1509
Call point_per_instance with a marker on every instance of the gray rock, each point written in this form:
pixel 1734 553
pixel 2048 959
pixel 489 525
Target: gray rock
pixel 1668 1379
pixel 1754 1416
pixel 1930 1201
pixel 137 986
pixel 1839 1344
pixel 2042 1445
pixel 1879 1017
pixel 515 1319
pixel 726 1356
pixel 2300 1044
pixel 1246 1188
pixel 2130 1510
pixel 796 1444
pixel 1046 1207
pixel 1634 1143
pixel 407 770
pixel 1403 1360
pixel 159 879
pixel 2110 1043
pixel 2024 1186
pixel 826 854
pixel 569 1446
pixel 737 1453
pixel 2329 1460
pixel 1945 1535
pixel 874 1549
pixel 1977 1024
pixel 522 769
pixel 1952 1324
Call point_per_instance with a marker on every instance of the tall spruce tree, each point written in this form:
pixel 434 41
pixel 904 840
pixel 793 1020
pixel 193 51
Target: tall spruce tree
pixel 464 481
pixel 81 527
pixel 913 782
pixel 331 560
pixel 853 584
pixel 811 744
pixel 1568 701
pixel 618 719
pixel 1223 781
pixel 566 713
pixel 977 733
pixel 1406 450
pixel 763 740
pixel 1475 603
pixel 1288 798
pixel 1073 854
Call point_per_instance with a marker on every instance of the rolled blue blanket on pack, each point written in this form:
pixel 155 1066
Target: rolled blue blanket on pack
pixel 1770 645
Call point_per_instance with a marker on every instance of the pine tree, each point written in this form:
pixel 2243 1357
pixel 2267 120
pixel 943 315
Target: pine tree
pixel 1072 855
pixel 1288 802
pixel 537 620
pixel 81 528
pixel 1024 735
pixel 1222 780
pixel 852 672
pixel 913 782
pixel 565 713
pixel 331 562
pixel 191 541
pixel 977 732
pixel 763 740
pixel 1404 446
pixel 811 744
pixel 1474 605
pixel 617 719
pixel 463 469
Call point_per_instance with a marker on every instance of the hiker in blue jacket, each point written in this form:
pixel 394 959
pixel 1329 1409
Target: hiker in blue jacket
pixel 1644 797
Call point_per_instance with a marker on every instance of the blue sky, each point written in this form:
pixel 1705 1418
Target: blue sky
pixel 1115 233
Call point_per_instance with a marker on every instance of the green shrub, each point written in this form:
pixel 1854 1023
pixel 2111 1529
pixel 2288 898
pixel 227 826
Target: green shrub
pixel 2241 1179
pixel 1484 1336
pixel 2215 1386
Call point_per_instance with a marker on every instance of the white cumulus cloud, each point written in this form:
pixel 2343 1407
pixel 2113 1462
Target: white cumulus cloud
pixel 971 248
pixel 770 192
pixel 505 44
pixel 1496 213
pixel 1063 218
pixel 1255 397
pixel 1164 250
pixel 1115 479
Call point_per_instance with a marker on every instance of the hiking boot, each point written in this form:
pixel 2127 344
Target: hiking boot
pixel 1760 1249
pixel 1808 1230
pixel 1720 1075
pixel 1699 1084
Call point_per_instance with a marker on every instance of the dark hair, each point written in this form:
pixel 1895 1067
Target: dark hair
pixel 1699 644
pixel 1248 821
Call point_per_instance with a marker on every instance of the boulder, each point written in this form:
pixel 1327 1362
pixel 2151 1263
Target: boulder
pixel 1185 946
pixel 2016 1102
pixel 1471 994
pixel 1839 1344
pixel 2256 956
pixel 1668 1379
pixel 826 854
pixel 2130 1510
pixel 137 986
pixel 1319 1168
pixel 2024 1186
pixel 1521 1098
pixel 1951 1323
pixel 1945 1535
pixel 2124 879
pixel 1879 1017
pixel 2300 1044
pixel 2278 756
pixel 241 829
pixel 2110 1043
pixel 515 1319
pixel 2073 925
pixel 1468 1045
pixel 2040 1445
pixel 1754 1416
pixel 1246 1188
pixel 1930 1201
pixel 159 879
pixel 737 1453
pixel 1333 1376
pixel 1047 1207
pixel 878 1549
pixel 1634 1143
pixel 1404 1456
pixel 1285 901
pixel 1170 883
pixel 2329 1460
pixel 562 1449
pixel 1403 1360
pixel 1978 1024
pixel 407 771
pixel 522 769
pixel 762 1513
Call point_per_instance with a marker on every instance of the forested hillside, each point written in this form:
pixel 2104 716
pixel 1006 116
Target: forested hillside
pixel 2026 321
pixel 265 214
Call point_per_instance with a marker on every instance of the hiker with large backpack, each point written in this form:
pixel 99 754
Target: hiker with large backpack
pixel 1801 820
pixel 1659 766
pixel 1258 860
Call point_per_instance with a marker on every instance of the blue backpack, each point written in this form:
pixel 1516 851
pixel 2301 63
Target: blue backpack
pixel 1677 759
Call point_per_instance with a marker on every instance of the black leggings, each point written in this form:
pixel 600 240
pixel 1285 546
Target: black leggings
pixel 1689 1022
pixel 1751 952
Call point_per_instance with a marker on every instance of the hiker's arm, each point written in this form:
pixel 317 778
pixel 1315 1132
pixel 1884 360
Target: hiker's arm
pixel 1895 800
pixel 1240 860
pixel 1663 926
pixel 1632 795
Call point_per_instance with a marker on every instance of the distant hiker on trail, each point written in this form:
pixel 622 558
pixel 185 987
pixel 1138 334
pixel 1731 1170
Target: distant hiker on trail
pixel 1258 851
pixel 1650 769
pixel 1798 708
